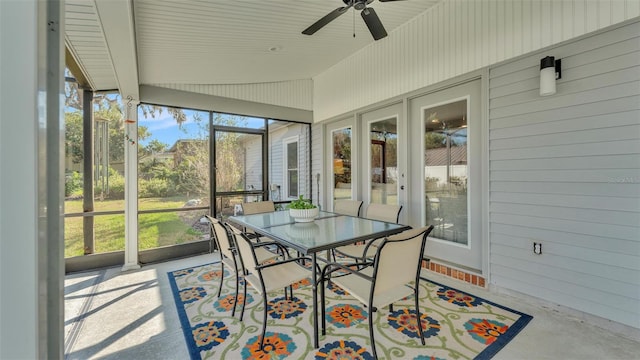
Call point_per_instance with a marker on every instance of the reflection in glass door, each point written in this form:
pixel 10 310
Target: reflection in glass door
pixel 341 147
pixel 446 172
pixel 383 161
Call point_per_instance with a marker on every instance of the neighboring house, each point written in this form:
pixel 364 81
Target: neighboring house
pixel 161 157
pixel 288 161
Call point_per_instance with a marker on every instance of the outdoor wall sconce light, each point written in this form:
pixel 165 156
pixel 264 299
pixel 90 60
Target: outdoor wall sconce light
pixel 550 71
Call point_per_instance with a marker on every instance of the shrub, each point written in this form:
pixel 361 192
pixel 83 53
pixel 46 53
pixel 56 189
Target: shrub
pixel 73 184
pixel 153 188
pixel 116 185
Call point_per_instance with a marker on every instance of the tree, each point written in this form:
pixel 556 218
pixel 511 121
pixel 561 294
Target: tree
pixel 433 140
pixel 73 136
pixel 150 111
pixel 229 155
pixel 106 106
pixel 155 147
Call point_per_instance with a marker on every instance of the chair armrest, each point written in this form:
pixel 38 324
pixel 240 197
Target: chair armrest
pixel 365 249
pixel 264 266
pixel 333 267
pixel 282 249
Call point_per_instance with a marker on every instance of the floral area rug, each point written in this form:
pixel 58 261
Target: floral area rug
pixel 456 325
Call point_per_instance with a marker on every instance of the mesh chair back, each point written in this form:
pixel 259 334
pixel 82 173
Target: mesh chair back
pixel 399 259
pixel 258 207
pixel 384 212
pixel 347 207
pixel 245 250
pixel 222 236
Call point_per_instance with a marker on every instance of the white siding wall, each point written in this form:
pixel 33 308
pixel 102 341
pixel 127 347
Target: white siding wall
pixel 454 38
pixel 296 94
pixel 565 171
pixel 317 152
pixel 276 162
pixel 276 155
pixel 253 163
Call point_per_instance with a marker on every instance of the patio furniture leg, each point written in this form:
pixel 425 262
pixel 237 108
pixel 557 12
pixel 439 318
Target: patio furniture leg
pixel 314 274
pixel 373 340
pixel 221 278
pixel 264 320
pixel 244 297
pixel 235 302
pixel 323 311
pixel 415 295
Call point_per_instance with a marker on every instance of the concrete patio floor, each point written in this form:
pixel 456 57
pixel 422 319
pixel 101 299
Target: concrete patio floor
pixel 110 314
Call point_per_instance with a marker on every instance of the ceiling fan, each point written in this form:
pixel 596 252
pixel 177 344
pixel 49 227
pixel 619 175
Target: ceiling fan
pixel 368 15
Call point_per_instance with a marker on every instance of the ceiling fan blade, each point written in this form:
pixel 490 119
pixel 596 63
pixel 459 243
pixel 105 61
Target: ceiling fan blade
pixel 325 20
pixel 373 23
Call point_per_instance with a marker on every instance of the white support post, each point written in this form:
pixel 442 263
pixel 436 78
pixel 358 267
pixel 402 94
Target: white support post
pixel 131 186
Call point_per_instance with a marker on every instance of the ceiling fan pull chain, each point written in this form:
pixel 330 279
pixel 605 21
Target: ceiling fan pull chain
pixel 354 23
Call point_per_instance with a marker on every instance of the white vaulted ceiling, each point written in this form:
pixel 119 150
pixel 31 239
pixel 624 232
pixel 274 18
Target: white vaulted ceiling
pixel 124 43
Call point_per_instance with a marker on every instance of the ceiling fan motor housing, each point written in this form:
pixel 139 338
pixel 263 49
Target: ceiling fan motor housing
pixel 368 14
pixel 357 4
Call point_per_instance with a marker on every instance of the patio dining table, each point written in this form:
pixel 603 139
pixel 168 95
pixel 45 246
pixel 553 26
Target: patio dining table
pixel 328 231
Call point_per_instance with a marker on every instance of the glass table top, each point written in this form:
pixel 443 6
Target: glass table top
pixel 328 231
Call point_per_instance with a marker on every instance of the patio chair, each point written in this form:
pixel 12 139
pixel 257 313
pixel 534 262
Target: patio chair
pixel 382 212
pixel 347 207
pixel 258 207
pixel 393 274
pixel 266 278
pixel 228 255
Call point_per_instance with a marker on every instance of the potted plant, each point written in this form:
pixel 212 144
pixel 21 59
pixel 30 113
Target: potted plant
pixel 302 210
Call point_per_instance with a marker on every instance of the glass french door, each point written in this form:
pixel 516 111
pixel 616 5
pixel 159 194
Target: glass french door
pixel 342 174
pixel 383 172
pixel 446 136
pixel 446 170
pixel 340 150
pixel 238 167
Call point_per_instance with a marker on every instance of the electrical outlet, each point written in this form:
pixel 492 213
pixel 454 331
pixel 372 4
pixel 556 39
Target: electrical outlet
pixel 537 248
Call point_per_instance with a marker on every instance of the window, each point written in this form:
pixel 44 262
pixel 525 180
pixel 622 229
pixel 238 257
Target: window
pixel 446 170
pixel 291 164
pixel 94 221
pixel 341 145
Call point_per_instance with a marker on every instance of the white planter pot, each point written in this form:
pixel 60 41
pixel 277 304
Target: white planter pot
pixel 304 215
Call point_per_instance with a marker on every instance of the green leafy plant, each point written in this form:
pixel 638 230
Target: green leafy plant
pixel 301 204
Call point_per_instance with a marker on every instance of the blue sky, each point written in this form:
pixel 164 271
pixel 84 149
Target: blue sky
pixel 165 129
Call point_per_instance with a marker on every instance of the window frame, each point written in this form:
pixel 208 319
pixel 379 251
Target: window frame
pixel 285 165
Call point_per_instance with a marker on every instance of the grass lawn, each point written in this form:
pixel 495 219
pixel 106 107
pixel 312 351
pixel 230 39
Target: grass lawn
pixel 154 230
